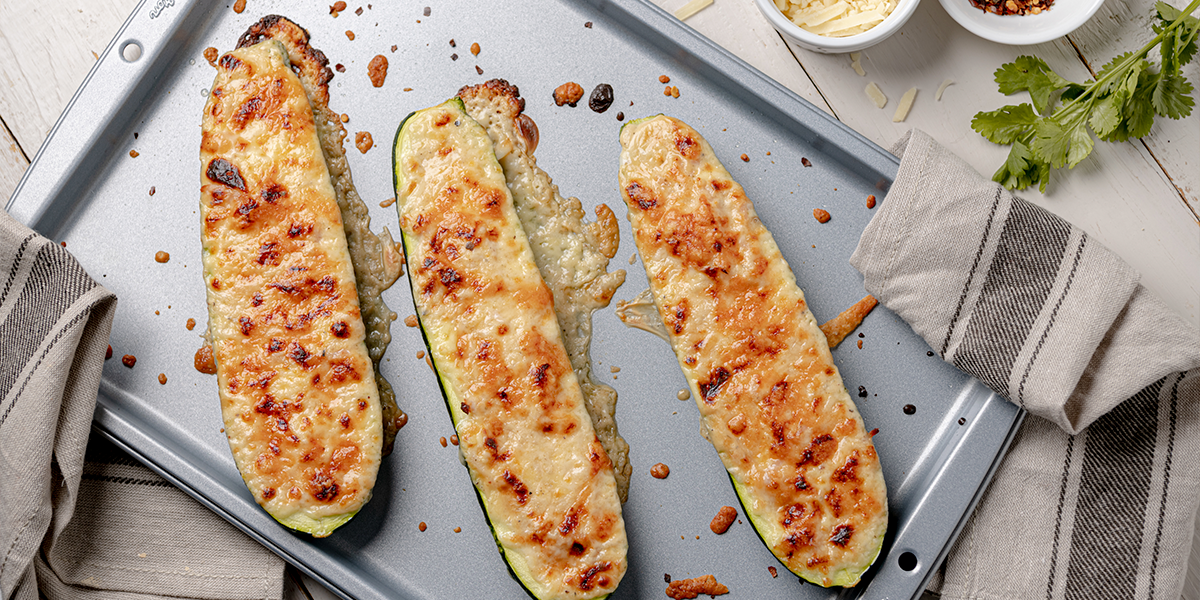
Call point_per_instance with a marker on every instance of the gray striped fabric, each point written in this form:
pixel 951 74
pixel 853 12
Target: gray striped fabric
pixel 1097 498
pixel 107 528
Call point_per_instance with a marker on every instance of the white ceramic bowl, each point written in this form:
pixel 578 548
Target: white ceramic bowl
pixel 1063 17
pixel 834 45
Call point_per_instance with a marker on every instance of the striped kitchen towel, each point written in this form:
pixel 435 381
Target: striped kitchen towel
pixel 101 527
pixel 1097 498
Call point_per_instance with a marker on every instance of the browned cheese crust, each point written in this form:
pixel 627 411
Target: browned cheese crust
pixel 297 387
pixel 771 400
pixel 377 264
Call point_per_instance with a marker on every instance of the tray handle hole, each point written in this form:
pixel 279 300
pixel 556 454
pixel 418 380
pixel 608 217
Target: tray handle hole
pixel 908 561
pixel 131 51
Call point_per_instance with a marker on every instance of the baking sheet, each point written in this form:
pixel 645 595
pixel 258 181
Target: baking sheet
pixel 84 188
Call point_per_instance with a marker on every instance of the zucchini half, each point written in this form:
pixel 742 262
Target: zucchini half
pixel 298 396
pixel 542 476
pixel 771 400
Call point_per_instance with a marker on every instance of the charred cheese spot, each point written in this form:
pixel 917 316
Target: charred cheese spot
pixel 641 196
pixel 226 173
pixel 712 387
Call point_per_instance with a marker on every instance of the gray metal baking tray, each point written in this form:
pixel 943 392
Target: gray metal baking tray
pixel 86 189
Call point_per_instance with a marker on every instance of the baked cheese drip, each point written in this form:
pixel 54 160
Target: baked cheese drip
pixel 298 394
pixel 376 259
pixel 571 256
pixel 771 400
pixel 544 479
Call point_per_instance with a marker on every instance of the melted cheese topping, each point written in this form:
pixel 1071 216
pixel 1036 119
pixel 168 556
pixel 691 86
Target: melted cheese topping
pixel 571 256
pixel 297 388
pixel 546 483
pixel 771 400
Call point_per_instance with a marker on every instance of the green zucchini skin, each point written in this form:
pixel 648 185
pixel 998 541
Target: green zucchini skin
pixel 488 323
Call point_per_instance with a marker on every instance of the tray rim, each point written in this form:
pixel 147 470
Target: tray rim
pixel 653 25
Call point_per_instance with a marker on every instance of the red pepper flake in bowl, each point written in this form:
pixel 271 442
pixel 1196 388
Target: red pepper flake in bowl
pixel 1012 7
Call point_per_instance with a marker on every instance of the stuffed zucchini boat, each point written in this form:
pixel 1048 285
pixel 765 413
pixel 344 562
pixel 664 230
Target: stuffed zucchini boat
pixel 771 400
pixel 543 478
pixel 297 386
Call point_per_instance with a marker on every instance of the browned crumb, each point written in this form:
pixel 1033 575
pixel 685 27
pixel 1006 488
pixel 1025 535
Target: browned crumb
pixel 394 48
pixel 475 48
pixel 667 91
pixel 860 344
pixel 588 24
pixel 340 68
pixel 428 11
pixel 871 201
pixel 345 118
pixel 568 93
pixel 152 190
pixel 191 324
pixel 350 34
pixel 454 439
pixel 620 116
pixel 479 70
pixel 203 361
pixel 358 11
pixel 387 203
pixel 162 379
pixel 337 7
pixel 377 70
pixel 837 328
pixel 211 54
pixel 774 573
pixel 239 6
pixel 682 589
pixel 454 56
pixel 442 441
pixel 401 419
pixel 725 517
pixel 420 354
pixel 422 526
pixel 664 79
pixel 458 530
pixel 156 312
pixel 804 161
pixel 408 89
pixel 429 363
pixel 660 471
pixel 129 360
pixel 133 154
pixel 108 353
pixel 363 141
pixel 411 321
pixel 674 92
pixel 452 44
pixel 745 158
pixel 821 215
pixel 63 243
pixel 161 257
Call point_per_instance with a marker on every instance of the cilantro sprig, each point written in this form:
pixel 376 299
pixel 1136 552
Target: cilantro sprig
pixel 1056 130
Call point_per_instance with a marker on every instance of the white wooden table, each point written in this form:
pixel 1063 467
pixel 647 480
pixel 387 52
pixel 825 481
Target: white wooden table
pixel 1140 198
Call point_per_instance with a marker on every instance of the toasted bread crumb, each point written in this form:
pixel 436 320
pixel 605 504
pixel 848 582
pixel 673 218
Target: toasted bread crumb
pixel 682 589
pixel 821 215
pixel 724 518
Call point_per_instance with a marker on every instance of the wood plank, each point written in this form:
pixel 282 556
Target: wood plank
pixel 1120 27
pixel 45 52
pixel 12 165
pixel 752 40
pixel 1119 195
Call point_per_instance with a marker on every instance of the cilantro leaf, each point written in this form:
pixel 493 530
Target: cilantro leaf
pixel 1005 125
pixel 1032 74
pixel 1170 96
pixel 1106 115
pixel 1139 111
pixel 1021 169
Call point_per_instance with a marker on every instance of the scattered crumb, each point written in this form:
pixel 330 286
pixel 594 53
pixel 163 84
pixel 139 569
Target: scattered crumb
pixel 239 6
pixel 475 48
pixel 837 328
pixel 667 91
pixel 664 79
pixel 394 47
pixel 774 573
pixel 420 354
pixel 682 589
pixel 345 118
pixel 674 92
pixel 683 394
pixel 458 530
pixel 211 54
pixel 63 243
pixel 363 141
pixel 377 70
pixel 667 576
pixel 162 378
pixel 387 203
pixel 725 517
pixel 152 190
pixel 871 201
pixel 568 93
pixel 191 324
pixel 408 89
pixel 660 471
pixel 632 258
pixel 133 154
pixel 452 44
pixel 422 526
pixel 411 321
pixel 479 70
pixel 620 116
pixel 156 312
pixel 161 257
pixel 804 161
pixel 350 34
pixel 860 344
pixel 358 11
pixel 745 158
pixel 108 353
pixel 454 439
pixel 442 441
pixel 337 7
pixel 454 56
pixel 429 363
pixel 129 360
pixel 426 12
pixel 614 369
pixel 588 24
pixel 340 68
pixel 821 215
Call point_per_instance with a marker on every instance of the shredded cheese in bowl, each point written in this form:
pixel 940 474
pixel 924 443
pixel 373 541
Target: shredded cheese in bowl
pixel 836 18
